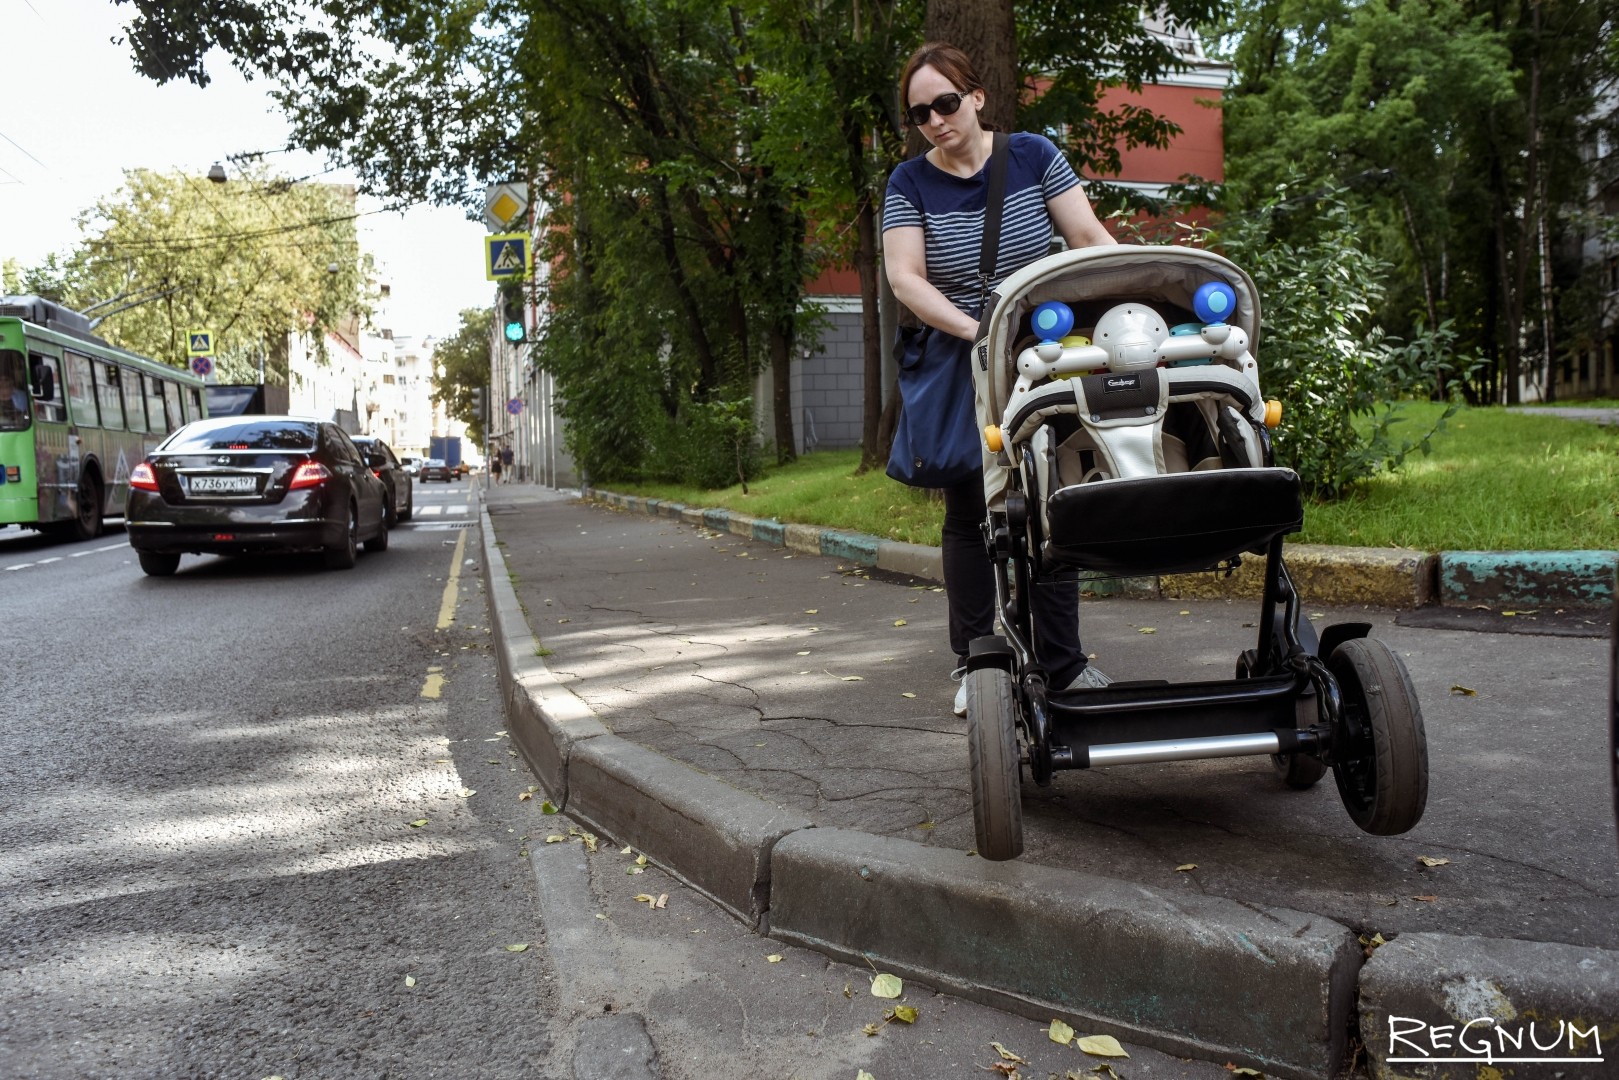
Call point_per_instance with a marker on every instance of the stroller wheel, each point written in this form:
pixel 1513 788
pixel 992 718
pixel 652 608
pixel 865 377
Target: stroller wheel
pixel 1380 749
pixel 1297 771
pixel 993 753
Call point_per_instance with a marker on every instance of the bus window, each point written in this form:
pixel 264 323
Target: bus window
pixel 108 393
pixel 193 404
pixel 81 391
pixel 154 404
pixel 13 391
pixel 134 406
pixel 45 376
pixel 171 398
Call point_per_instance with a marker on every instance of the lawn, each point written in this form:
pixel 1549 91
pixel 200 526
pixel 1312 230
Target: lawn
pixel 1495 481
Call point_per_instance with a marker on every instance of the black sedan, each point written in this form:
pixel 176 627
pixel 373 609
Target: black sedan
pixel 393 474
pixel 246 484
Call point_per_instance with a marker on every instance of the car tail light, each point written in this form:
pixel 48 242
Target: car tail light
pixel 309 474
pixel 142 478
pixel 377 473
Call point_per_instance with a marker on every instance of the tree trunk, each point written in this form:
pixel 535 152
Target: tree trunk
pixel 986 31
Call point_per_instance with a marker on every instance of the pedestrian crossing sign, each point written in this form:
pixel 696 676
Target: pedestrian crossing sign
pixel 199 343
pixel 507 256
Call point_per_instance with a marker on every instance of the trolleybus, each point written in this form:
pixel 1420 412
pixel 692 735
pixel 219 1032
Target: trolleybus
pixel 76 414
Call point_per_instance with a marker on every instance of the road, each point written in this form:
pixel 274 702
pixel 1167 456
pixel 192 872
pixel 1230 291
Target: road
pixel 263 820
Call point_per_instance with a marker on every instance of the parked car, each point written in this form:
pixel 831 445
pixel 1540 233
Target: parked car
pixel 412 465
pixel 435 469
pixel 249 484
pixel 387 468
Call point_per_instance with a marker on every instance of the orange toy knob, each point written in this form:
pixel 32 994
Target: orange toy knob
pixel 992 438
pixel 1273 413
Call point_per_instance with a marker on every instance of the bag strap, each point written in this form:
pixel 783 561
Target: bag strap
pixel 993 208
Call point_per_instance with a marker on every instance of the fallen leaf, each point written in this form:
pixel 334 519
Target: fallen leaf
pixel 410 980
pixel 418 823
pixel 852 678
pixel 907 693
pixel 871 1029
pixel 599 915
pixel 493 761
pixel 1146 629
pixel 1183 867
pixel 1104 1067
pixel 663 901
pixel 899 622
pixel 635 869
pixel 1245 1071
pixel 548 807
pixel 775 958
pixel 864 1075
pixel 1060 1032
pixel 887 986
pixel 626 850
pixel 521 946
pixel 1464 691
pixel 1101 1046
pixel 523 796
pixel 1007 1055
pixel 1005 1068
pixel 1429 860
pixel 848 991
pixel 590 841
pixel 1425 899
pixel 466 793
pixel 802 652
pixel 640 860
pixel 556 838
pixel 646 898
pixel 905 1014
pixel 1186 613
pixel 812 611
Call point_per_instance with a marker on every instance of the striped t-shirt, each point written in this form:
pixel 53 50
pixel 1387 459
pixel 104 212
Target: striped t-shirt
pixel 949 210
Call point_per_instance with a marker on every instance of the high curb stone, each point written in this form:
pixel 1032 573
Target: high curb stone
pixel 916 560
pixel 804 538
pixel 1421 982
pixel 1572 578
pixel 544 720
pixel 1196 975
pixel 708 834
pixel 1324 574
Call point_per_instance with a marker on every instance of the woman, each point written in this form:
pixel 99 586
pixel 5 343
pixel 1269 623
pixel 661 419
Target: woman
pixel 933 220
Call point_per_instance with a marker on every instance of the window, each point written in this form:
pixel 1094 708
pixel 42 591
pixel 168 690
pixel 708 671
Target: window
pixel 13 391
pixel 45 375
pixel 110 395
pixel 134 406
pixel 81 391
pixel 154 404
pixel 171 402
pixel 193 404
pixel 244 433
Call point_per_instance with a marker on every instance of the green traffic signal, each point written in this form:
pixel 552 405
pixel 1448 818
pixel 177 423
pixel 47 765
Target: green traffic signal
pixel 514 331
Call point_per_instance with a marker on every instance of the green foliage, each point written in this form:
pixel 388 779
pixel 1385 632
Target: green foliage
pixel 1320 351
pixel 711 445
pixel 461 370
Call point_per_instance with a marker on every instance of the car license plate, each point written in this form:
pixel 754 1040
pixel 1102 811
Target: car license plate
pixel 221 485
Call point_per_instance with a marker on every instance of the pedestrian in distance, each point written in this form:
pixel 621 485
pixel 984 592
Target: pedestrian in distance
pixel 506 458
pixel 933 230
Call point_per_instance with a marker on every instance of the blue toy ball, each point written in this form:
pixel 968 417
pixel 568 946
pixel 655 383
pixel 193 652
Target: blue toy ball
pixel 1214 302
pixel 1052 320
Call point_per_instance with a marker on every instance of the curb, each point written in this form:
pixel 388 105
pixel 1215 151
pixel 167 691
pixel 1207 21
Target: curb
pixel 1324 574
pixel 1216 979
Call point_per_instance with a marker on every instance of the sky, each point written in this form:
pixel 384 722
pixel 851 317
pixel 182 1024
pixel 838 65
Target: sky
pixel 74 114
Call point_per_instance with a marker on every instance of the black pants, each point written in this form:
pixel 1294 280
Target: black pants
pixel 969 585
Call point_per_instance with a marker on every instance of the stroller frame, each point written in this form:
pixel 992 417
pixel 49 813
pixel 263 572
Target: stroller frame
pixel 1338 700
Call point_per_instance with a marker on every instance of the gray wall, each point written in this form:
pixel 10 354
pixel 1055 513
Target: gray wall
pixel 827 388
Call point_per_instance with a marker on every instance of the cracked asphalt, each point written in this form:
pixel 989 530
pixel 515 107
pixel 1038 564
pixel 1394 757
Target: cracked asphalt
pixel 823 686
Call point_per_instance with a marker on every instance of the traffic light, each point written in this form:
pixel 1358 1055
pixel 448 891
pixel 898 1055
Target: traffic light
pixel 511 315
pixel 479 398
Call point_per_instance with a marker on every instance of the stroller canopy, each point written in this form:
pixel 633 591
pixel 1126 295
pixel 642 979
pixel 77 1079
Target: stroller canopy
pixel 1091 280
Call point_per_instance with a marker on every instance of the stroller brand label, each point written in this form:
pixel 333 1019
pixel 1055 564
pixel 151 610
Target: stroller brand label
pixel 1117 383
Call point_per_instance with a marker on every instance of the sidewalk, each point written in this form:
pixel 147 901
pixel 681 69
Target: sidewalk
pixel 708 697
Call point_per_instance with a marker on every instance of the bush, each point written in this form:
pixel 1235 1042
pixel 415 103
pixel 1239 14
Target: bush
pixel 1320 352
pixel 709 445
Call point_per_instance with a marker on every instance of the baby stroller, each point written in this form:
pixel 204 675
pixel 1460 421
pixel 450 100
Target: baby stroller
pixel 1126 435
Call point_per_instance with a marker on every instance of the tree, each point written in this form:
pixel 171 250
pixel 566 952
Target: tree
pixel 461 370
pixel 252 260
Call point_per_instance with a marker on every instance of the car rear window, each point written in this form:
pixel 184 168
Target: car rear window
pixel 243 435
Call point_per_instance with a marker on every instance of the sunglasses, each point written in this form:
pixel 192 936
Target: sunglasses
pixel 944 105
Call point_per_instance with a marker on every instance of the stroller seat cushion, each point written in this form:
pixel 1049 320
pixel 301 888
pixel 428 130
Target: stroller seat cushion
pixel 1175 523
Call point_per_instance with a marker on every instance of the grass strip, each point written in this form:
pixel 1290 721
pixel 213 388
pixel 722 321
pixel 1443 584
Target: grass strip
pixel 1495 481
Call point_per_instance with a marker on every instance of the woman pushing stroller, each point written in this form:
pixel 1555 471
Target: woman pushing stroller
pixel 934 220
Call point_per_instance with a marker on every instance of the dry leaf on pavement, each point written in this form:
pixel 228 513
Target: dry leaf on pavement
pixel 1060 1033
pixel 887 986
pixel 1429 860
pixel 1102 1046
pixel 1007 1055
